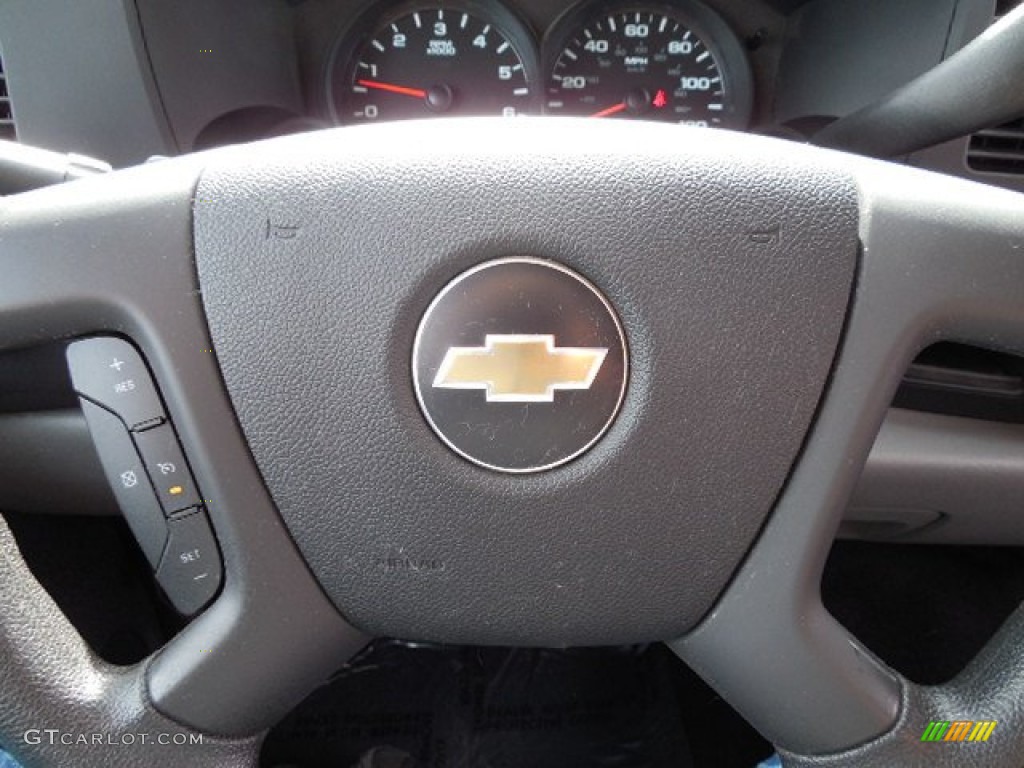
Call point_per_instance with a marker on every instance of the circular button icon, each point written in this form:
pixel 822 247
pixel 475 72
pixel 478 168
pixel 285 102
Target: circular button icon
pixel 520 364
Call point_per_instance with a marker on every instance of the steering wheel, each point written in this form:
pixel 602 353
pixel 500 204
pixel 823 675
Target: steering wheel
pixel 766 298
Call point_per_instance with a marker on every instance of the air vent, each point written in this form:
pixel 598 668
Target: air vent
pixel 998 150
pixel 6 113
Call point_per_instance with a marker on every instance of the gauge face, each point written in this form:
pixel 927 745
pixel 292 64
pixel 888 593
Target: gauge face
pixel 649 64
pixel 435 61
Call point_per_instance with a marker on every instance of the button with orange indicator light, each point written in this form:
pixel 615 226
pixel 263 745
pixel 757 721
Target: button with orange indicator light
pixel 165 464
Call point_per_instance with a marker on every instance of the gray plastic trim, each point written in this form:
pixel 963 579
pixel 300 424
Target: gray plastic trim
pixel 943 259
pixel 79 79
pixel 48 465
pixel 949 480
pixel 976 88
pixel 841 55
pixel 211 59
pixel 113 255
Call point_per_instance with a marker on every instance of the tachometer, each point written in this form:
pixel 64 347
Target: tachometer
pixel 677 63
pixel 425 60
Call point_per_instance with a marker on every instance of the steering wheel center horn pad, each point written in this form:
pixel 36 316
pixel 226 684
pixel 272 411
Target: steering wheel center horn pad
pixel 519 365
pixel 729 265
pixel 697 303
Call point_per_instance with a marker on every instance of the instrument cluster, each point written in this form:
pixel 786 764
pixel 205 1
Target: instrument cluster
pixel 616 59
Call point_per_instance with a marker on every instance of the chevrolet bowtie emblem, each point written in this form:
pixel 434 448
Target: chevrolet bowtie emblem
pixel 581 348
pixel 519 368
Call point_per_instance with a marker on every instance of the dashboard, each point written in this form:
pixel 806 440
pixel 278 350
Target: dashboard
pixel 675 63
pixel 125 80
pixel 685 61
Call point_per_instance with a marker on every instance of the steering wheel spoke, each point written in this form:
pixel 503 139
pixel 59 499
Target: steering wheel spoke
pixel 113 255
pixel 665 360
pixel 54 671
pixel 942 259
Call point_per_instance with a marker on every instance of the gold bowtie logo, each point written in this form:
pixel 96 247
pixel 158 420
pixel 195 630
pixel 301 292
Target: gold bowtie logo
pixel 519 368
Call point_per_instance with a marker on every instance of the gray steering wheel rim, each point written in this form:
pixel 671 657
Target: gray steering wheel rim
pixel 941 259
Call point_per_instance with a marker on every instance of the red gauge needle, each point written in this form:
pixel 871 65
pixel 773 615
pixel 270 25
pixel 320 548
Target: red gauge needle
pixel 416 93
pixel 610 110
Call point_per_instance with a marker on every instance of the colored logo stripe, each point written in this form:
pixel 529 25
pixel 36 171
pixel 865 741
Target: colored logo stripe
pixel 982 731
pixel 958 730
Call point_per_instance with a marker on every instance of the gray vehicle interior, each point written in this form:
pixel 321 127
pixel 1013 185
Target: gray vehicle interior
pixel 228 516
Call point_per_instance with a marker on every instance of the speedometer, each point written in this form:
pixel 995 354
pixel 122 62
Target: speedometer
pixel 423 60
pixel 678 63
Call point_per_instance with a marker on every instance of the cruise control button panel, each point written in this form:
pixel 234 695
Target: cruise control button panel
pixel 110 372
pixel 147 469
pixel 165 463
pixel 190 571
pixel 128 480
